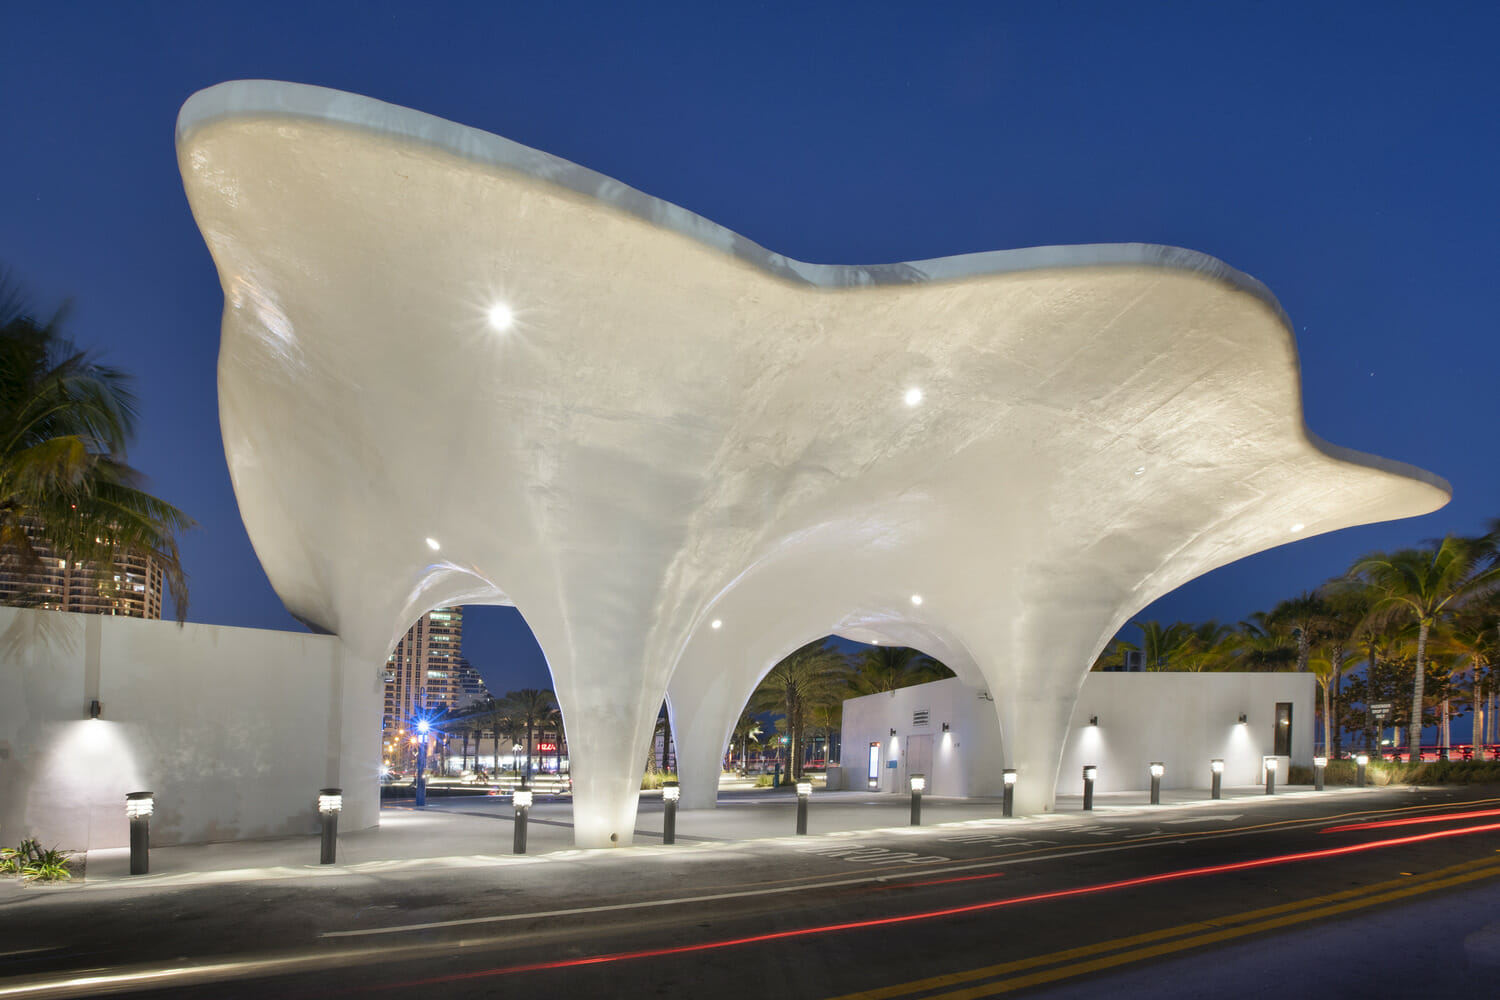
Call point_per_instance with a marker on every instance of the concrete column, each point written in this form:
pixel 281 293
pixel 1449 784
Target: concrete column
pixel 609 727
pixel 704 707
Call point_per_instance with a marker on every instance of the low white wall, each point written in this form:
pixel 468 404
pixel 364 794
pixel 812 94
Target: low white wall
pixel 1183 720
pixel 234 729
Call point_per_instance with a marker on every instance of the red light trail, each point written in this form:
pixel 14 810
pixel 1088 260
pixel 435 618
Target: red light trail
pixel 994 904
pixel 1408 822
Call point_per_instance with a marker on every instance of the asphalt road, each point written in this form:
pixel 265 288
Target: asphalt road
pixel 1390 888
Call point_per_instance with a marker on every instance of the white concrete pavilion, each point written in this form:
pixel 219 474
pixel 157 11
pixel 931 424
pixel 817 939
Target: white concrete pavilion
pixel 458 370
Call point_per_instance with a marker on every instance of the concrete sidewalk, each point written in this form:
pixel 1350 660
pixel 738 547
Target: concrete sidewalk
pixel 467 832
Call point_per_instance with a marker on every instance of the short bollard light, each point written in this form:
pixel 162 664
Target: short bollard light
pixel 1008 802
pixel 1157 770
pixel 330 804
pixel 918 786
pixel 671 792
pixel 522 802
pixel 804 792
pixel 1359 769
pixel 1217 767
pixel 1319 763
pixel 1090 775
pixel 1269 764
pixel 138 809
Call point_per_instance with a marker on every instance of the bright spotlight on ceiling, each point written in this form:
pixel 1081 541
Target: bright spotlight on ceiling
pixel 716 623
pixel 1298 527
pixel 501 317
pixel 432 543
pixel 913 396
pixel 916 598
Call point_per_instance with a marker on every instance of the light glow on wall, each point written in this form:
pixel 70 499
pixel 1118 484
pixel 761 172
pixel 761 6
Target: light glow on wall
pixel 501 317
pixel 913 396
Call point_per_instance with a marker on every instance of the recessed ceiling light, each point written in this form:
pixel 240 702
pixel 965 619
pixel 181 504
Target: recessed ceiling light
pixel 1141 471
pixel 1298 527
pixel 432 543
pixel 501 317
pixel 916 598
pixel 716 623
pixel 913 396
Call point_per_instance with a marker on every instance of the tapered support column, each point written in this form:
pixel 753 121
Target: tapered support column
pixel 1033 732
pixel 704 707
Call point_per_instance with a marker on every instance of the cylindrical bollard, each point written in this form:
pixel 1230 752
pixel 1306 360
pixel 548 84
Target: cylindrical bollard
pixel 138 809
pixel 1269 764
pixel 804 792
pixel 1217 788
pixel 1319 763
pixel 1157 770
pixel 670 793
pixel 421 785
pixel 918 786
pixel 1008 802
pixel 1090 773
pixel 330 804
pixel 522 801
pixel 1359 769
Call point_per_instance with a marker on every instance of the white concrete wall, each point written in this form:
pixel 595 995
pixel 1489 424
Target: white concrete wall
pixel 1183 720
pixel 964 761
pixel 234 729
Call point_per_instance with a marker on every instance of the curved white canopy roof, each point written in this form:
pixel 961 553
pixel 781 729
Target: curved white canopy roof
pixel 632 423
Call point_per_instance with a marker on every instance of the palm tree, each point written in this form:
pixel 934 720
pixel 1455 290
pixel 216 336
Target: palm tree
pixel 817 674
pixel 529 707
pixel 1474 641
pixel 1427 586
pixel 1305 616
pixel 1346 604
pixel 745 730
pixel 1209 646
pixel 65 422
pixel 1266 644
pixel 880 669
pixel 1161 644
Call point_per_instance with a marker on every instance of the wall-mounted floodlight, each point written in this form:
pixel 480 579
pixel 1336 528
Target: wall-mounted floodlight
pixel 893 732
pixel 95 709
pixel 138 809
pixel 671 792
pixel 1244 718
pixel 804 792
pixel 1093 720
pixel 918 786
pixel 1319 764
pixel 521 799
pixel 1217 767
pixel 1359 769
pixel 1157 770
pixel 330 804
pixel 1090 775
pixel 1008 800
pixel 945 727
pixel 1269 763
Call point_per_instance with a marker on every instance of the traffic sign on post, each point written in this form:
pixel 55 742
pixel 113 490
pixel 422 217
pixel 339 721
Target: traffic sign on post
pixel 1380 709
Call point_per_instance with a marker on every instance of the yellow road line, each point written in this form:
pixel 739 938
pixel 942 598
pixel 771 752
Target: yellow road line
pixel 1203 932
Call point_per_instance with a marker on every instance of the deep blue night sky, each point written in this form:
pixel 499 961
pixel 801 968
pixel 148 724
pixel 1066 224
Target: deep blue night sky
pixel 1344 154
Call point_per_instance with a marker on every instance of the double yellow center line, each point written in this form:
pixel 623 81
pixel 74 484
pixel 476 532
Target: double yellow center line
pixel 994 980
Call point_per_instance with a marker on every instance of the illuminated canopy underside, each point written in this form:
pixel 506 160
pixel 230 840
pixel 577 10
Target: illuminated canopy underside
pixel 679 426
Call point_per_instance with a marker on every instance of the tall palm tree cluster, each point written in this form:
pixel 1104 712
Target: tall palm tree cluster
pixel 1423 623
pixel 807 690
pixel 65 422
pixel 528 713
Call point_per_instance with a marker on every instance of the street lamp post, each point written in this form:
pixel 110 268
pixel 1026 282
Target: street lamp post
pixel 423 728
pixel 670 793
pixel 330 804
pixel 1217 767
pixel 1090 774
pixel 918 786
pixel 522 801
pixel 804 792
pixel 1157 770
pixel 138 809
pixel 515 759
pixel 1008 801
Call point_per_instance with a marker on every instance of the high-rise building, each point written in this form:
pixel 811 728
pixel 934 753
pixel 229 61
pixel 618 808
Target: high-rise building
pixel 132 587
pixel 427 673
